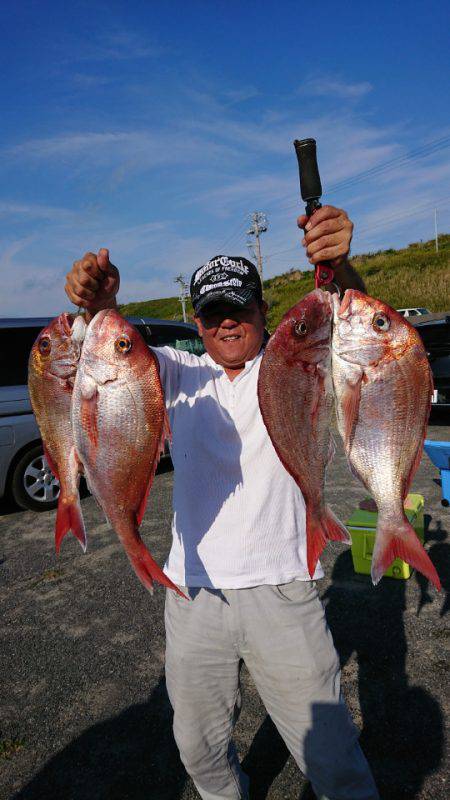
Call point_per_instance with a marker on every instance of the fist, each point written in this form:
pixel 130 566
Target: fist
pixel 328 233
pixel 93 282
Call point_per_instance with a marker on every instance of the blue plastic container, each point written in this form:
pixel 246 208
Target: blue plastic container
pixel 439 453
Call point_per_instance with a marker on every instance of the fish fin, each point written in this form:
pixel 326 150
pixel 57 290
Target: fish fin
pixel 166 434
pixel 401 542
pixel 350 407
pixel 354 471
pixel 142 505
pixel 418 456
pixel 331 449
pixel 51 463
pixel 148 570
pixel 414 468
pixel 89 421
pixel 69 518
pixel 321 527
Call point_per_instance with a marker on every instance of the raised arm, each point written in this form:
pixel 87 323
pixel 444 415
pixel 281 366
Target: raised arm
pixel 328 234
pixel 93 283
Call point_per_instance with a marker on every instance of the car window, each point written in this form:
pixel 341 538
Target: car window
pixel 413 312
pixel 15 347
pixel 424 311
pixel 174 336
pixel 193 345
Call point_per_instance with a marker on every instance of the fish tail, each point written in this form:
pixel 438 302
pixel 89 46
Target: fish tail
pixel 148 570
pixel 69 518
pixel 322 526
pixel 400 541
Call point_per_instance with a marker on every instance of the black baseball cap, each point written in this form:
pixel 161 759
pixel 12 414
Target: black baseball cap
pixel 230 278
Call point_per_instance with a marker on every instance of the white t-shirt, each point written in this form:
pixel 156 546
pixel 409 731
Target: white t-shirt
pixel 239 517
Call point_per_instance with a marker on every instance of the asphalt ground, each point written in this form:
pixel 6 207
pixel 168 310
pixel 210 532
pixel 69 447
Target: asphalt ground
pixel 84 709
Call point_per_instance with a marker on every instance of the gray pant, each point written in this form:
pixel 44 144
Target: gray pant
pixel 281 634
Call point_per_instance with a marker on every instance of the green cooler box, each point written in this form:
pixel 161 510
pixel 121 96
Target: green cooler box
pixel 362 526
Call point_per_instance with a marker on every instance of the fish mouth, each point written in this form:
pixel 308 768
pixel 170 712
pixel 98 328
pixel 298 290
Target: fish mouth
pixel 99 369
pixel 97 322
pixel 63 369
pixel 343 309
pixel 67 321
pixel 344 306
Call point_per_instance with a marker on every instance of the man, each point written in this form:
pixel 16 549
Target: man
pixel 239 542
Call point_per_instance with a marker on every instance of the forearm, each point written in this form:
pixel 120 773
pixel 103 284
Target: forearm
pixel 346 277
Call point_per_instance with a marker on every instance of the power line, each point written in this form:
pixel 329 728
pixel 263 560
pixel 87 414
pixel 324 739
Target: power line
pixel 422 151
pixel 379 169
pixel 411 212
pixel 237 232
pixel 380 221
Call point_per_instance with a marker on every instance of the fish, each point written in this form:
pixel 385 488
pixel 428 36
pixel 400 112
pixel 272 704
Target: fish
pixel 296 400
pixel 120 425
pixel 383 386
pixel 52 368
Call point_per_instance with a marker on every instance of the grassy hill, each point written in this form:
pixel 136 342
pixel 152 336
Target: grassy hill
pixel 413 276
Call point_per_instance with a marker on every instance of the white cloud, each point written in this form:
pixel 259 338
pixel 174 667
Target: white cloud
pixel 113 45
pixel 332 87
pixel 206 164
pixel 8 209
pixel 91 81
pixel 241 95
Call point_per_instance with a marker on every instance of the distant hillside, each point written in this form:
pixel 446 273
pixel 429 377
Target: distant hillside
pixel 413 276
pixel 166 308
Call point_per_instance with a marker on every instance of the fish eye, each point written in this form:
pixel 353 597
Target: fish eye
pixel 301 328
pixel 44 345
pixel 381 322
pixel 122 344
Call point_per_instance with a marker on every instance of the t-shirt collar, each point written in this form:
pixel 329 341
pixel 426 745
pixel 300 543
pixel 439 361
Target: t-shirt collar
pixel 248 364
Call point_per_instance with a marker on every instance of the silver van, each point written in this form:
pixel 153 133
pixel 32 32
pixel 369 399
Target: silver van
pixel 25 476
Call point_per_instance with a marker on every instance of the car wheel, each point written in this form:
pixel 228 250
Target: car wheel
pixel 33 485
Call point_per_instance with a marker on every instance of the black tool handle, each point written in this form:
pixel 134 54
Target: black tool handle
pixel 311 191
pixel 310 185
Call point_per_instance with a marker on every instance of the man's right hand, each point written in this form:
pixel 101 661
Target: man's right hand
pixel 93 283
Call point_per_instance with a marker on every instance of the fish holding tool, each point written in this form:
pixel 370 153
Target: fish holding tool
pixel 311 192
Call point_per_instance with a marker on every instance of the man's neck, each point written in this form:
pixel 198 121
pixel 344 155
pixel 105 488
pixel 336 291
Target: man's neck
pixel 233 372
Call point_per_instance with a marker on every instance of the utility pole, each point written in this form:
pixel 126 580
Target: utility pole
pixel 435 230
pixel 259 225
pixel 184 294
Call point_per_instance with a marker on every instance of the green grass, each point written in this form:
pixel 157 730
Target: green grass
pixel 49 575
pixel 413 276
pixel 166 308
pixel 10 746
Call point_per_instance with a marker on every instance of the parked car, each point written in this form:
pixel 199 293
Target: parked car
pixel 25 476
pixel 435 334
pixel 413 312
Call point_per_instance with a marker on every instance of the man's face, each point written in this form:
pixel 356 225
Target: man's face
pixel 232 335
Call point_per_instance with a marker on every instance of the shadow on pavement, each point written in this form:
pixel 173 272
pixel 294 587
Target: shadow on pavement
pixel 439 553
pixel 129 757
pixel 402 735
pixel 265 759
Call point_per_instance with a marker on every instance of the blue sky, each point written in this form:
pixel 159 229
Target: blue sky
pixel 155 129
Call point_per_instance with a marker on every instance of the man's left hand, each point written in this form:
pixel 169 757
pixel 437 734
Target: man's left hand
pixel 328 233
